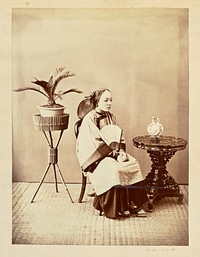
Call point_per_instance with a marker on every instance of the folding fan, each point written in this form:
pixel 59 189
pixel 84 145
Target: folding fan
pixel 111 134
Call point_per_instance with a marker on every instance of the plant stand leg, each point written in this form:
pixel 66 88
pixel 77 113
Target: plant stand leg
pixel 62 179
pixel 55 176
pixel 41 182
pixel 53 160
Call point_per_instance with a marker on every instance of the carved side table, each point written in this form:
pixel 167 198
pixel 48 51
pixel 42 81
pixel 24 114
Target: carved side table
pixel 49 124
pixel 159 183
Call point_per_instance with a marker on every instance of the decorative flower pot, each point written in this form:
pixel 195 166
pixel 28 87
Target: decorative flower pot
pixel 51 123
pixel 51 112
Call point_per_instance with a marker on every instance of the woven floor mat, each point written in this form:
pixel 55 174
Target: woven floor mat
pixel 53 220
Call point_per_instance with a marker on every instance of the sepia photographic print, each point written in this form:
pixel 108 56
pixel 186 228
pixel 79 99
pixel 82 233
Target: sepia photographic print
pixel 100 118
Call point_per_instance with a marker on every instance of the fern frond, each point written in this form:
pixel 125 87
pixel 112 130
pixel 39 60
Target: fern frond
pixel 29 88
pixel 72 90
pixel 63 76
pixel 56 96
pixel 59 70
pixel 43 84
pixel 59 78
pixel 50 81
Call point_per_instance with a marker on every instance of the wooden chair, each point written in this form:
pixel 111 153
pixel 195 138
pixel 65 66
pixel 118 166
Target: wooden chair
pixel 84 107
pixel 84 174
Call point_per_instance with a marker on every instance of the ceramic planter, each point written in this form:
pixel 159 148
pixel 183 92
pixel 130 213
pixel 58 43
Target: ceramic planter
pixel 51 112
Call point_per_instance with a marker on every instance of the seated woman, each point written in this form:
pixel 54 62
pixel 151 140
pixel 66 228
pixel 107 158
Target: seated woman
pixel 115 175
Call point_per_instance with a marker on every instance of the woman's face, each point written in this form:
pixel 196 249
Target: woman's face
pixel 105 102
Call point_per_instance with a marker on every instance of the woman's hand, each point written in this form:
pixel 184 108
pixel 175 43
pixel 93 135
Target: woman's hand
pixel 115 153
pixel 122 156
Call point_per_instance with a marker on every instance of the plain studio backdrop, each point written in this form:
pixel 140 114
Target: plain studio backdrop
pixel 141 55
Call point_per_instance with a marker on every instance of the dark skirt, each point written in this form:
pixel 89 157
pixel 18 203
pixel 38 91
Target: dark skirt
pixel 119 199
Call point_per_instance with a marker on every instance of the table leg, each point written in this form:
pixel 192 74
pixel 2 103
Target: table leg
pixel 159 183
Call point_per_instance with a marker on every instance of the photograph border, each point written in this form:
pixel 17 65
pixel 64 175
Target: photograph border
pixel 6 246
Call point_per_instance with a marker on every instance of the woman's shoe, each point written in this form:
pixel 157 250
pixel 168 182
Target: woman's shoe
pixel 92 194
pixel 124 214
pixel 133 208
pixel 141 213
pixel 101 213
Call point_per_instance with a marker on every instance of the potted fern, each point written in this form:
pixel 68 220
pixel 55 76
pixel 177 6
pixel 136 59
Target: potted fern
pixel 48 89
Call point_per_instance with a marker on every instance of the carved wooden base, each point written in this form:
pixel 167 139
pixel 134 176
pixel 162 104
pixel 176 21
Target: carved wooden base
pixel 159 183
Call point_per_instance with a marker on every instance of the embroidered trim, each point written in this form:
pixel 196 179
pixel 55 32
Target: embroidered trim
pixel 100 153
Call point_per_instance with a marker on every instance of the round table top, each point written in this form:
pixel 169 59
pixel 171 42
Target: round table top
pixel 163 143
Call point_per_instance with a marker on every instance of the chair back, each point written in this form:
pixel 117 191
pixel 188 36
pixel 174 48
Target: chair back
pixel 77 127
pixel 84 174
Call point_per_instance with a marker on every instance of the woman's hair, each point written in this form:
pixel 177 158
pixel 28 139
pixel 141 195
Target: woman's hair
pixel 97 96
pixel 90 102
